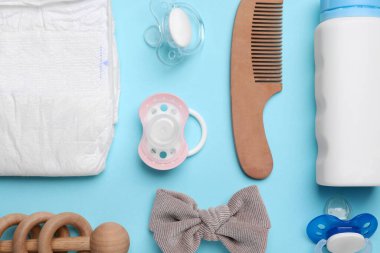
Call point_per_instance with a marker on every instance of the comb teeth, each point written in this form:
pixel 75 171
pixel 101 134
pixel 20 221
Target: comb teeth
pixel 266 42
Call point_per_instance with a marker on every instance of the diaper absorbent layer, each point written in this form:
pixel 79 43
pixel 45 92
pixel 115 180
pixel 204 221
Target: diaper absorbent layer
pixel 59 87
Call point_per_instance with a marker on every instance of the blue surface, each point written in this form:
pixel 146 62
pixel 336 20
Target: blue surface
pixel 125 191
pixel 349 8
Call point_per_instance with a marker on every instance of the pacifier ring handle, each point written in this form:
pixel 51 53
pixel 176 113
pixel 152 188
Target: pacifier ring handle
pixel 320 245
pixel 202 124
pixel 323 243
pixel 152 36
pixel 368 248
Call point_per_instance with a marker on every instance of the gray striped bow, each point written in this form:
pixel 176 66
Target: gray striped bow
pixel 242 225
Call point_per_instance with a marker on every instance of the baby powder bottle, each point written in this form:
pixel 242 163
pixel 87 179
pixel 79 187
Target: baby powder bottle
pixel 347 85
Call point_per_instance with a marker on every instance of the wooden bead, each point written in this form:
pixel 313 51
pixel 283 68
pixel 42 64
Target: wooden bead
pixel 109 238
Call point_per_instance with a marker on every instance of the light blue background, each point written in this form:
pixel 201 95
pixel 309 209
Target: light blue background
pixel 125 191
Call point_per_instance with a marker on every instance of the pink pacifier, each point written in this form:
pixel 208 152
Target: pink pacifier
pixel 163 145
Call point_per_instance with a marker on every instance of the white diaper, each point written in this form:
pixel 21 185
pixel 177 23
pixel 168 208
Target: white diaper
pixel 59 87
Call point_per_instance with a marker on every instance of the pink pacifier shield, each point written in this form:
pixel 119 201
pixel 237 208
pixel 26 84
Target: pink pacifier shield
pixel 163 145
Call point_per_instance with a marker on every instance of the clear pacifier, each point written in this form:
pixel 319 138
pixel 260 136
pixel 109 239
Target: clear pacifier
pixel 179 31
pixel 163 145
pixel 340 234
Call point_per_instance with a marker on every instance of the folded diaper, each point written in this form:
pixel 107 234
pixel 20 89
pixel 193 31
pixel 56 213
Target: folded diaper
pixel 59 87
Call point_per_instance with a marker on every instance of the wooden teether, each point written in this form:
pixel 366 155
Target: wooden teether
pixel 54 235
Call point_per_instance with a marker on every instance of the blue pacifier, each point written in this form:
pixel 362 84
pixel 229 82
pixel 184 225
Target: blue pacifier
pixel 340 234
pixel 179 31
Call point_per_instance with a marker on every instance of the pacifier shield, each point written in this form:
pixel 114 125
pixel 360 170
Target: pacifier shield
pixel 325 226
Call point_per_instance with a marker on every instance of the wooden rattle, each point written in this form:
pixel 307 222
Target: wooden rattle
pixel 54 236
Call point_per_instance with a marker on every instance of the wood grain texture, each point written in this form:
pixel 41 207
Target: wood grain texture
pixel 25 227
pixel 58 244
pixel 52 225
pixel 107 238
pixel 13 220
pixel 256 75
pixel 110 237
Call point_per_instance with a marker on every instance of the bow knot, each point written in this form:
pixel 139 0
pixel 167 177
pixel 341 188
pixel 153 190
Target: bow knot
pixel 179 226
pixel 213 219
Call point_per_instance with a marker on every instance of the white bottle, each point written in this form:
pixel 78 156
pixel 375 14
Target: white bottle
pixel 347 58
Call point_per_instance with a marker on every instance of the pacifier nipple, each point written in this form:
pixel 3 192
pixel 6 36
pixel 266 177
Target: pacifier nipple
pixel 338 207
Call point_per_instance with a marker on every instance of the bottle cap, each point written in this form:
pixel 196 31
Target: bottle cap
pixel 331 9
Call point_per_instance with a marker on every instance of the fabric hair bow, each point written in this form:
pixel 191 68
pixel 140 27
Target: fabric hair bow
pixel 179 226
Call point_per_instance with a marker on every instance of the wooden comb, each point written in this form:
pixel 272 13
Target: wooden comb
pixel 256 75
